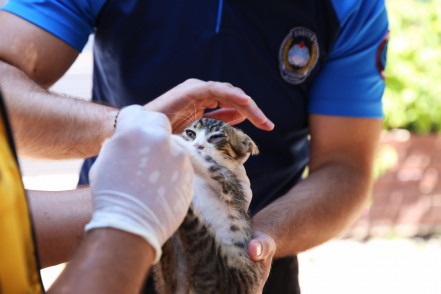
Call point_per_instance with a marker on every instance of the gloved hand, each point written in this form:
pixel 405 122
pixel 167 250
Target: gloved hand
pixel 142 182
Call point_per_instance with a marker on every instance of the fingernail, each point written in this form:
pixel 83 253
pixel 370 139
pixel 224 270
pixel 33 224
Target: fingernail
pixel 258 249
pixel 270 124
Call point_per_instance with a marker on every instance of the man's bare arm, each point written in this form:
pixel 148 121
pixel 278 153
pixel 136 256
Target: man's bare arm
pixel 46 125
pixel 336 191
pixel 104 264
pixel 52 126
pixel 59 219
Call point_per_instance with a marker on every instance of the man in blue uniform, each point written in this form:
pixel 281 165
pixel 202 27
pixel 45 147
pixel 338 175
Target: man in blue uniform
pixel 315 68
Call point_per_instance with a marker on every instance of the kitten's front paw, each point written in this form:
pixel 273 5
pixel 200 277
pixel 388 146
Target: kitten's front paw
pixel 180 141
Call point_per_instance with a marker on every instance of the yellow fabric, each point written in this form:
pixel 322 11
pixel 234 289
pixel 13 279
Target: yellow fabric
pixel 18 266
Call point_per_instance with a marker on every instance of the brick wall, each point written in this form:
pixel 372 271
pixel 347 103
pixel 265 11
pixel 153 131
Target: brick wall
pixel 407 197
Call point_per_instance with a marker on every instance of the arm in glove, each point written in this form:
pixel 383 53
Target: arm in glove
pixel 142 182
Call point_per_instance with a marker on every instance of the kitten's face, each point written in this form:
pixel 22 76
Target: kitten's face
pixel 208 135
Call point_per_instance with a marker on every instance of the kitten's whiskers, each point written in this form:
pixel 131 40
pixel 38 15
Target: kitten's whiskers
pixel 195 113
pixel 235 120
pixel 186 117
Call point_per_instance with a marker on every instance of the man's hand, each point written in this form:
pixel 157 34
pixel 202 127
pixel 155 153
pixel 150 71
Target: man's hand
pixel 262 249
pixel 187 102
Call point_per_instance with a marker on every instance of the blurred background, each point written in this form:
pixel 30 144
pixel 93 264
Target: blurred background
pixel 396 246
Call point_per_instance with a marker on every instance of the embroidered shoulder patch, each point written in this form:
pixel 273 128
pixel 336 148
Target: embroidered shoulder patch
pixel 382 55
pixel 298 55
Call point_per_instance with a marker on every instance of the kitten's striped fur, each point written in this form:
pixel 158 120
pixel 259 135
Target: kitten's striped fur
pixel 209 252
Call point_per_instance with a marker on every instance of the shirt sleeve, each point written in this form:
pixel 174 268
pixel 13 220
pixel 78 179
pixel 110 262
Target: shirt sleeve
pixel 351 82
pixel 70 20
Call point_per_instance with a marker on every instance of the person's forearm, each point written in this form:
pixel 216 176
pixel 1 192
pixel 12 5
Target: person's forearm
pixel 316 210
pixel 108 261
pixel 51 126
pixel 59 219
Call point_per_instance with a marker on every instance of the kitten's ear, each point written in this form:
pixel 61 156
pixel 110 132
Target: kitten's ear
pixel 243 145
pixel 251 148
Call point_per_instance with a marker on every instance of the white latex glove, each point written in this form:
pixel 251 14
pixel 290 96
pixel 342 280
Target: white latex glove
pixel 142 182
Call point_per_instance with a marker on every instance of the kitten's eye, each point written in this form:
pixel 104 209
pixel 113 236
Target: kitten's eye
pixel 190 134
pixel 216 138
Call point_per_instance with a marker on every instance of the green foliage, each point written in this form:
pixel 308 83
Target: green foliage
pixel 385 160
pixel 413 74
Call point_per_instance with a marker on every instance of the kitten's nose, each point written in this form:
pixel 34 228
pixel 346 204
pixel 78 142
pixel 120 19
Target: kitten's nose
pixel 198 146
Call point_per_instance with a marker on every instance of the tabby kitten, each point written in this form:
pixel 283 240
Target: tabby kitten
pixel 208 253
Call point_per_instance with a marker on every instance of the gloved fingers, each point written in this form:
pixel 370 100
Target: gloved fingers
pixel 136 128
pixel 136 116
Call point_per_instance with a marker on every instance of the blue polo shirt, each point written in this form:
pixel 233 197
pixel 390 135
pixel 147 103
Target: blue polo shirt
pixel 293 58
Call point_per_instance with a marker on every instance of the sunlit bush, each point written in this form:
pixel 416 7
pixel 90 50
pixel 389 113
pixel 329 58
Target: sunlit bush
pixel 413 93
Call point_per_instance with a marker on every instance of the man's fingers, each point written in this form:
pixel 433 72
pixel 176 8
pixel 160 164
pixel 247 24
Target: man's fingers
pixel 226 92
pixel 224 95
pixel 228 115
pixel 135 116
pixel 233 97
pixel 261 247
pixel 255 250
pixel 193 96
pixel 256 116
pixel 249 110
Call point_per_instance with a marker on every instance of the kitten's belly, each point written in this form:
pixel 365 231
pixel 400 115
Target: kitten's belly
pixel 212 208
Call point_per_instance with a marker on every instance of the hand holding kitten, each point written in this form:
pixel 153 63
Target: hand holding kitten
pixel 262 249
